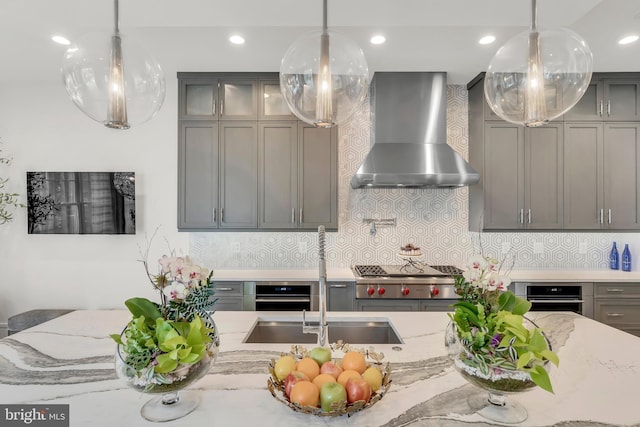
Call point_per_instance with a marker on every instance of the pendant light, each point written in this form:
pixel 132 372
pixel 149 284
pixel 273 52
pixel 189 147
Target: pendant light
pixel 113 80
pixel 324 77
pixel 538 75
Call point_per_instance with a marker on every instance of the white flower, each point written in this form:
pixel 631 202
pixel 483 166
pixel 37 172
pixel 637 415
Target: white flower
pixel 175 291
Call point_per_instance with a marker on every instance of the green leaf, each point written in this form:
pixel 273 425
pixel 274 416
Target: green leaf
pixel 521 306
pixel 143 307
pixel 116 338
pixel 541 378
pixel 165 364
pixel 550 356
pixel 524 359
pixel 537 342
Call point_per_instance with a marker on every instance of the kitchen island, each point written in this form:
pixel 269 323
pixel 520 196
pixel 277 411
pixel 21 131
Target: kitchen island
pixel 69 360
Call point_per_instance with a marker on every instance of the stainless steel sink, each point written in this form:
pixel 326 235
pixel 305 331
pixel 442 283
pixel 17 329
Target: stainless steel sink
pixel 375 331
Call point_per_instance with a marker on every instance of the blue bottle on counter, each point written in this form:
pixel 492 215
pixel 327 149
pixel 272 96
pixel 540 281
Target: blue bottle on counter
pixel 613 258
pixel 626 258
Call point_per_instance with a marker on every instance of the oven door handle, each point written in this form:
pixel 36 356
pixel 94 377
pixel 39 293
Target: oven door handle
pixel 557 301
pixel 278 299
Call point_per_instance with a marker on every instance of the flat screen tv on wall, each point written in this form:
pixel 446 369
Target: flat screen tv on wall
pixel 81 202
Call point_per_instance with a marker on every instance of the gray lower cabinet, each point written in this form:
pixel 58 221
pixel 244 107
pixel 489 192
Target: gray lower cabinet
pixel 601 175
pixel 341 296
pixel 217 175
pixel 618 305
pixel 228 296
pixel 387 305
pixel 443 305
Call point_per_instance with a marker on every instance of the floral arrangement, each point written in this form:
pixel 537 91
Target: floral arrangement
pixel 163 340
pixel 489 322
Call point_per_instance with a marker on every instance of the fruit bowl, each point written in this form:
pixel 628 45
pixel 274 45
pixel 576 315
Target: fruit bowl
pixel 277 386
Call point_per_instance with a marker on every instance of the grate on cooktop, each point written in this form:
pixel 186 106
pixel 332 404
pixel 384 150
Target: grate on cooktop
pixel 369 270
pixel 447 269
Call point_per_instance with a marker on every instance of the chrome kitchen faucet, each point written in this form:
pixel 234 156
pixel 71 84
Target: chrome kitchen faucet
pixel 321 329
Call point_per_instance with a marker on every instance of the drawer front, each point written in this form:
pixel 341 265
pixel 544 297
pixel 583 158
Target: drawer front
pixel 223 289
pixel 228 304
pixel 618 313
pixel 617 290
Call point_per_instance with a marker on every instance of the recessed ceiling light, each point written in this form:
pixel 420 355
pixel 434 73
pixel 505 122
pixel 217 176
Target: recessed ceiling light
pixel 487 40
pixel 628 39
pixel 378 39
pixel 236 39
pixel 61 40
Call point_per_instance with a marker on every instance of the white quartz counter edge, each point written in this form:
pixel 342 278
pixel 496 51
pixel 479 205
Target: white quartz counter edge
pixel 345 274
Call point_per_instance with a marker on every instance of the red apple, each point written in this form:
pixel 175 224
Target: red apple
pixel 292 379
pixel 331 368
pixel 358 389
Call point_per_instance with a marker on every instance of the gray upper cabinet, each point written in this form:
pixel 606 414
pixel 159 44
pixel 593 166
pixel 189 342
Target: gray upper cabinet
pixel 522 176
pixel 241 166
pixel 271 103
pixel 297 170
pixel 610 97
pixel 601 176
pixel 318 177
pixel 198 174
pixel 208 96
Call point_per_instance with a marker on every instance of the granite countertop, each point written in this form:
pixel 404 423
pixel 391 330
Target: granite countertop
pixel 345 274
pixel 69 360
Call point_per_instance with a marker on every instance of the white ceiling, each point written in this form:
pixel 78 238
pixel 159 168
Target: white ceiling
pixel 422 35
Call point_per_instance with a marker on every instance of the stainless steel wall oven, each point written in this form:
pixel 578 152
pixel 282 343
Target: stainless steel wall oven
pixel 576 297
pixel 286 296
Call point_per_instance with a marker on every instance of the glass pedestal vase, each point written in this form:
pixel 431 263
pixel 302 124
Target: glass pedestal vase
pixel 496 380
pixel 172 402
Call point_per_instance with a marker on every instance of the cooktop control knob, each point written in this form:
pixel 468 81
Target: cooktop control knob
pixel 381 290
pixel 371 291
pixel 405 291
pixel 435 292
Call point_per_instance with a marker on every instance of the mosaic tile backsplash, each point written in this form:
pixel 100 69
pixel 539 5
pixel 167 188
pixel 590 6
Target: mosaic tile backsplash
pixel 435 219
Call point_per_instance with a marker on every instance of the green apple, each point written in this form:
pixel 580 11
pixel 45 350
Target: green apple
pixel 320 355
pixel 330 393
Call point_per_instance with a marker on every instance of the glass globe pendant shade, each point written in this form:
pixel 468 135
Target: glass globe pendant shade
pixel 113 80
pixel 538 75
pixel 324 78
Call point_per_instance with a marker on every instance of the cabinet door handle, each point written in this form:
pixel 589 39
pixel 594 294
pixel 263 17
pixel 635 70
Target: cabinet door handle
pixel 609 107
pixel 601 216
pixel 222 107
pixel 609 216
pixel 521 216
pixel 615 315
pixel 215 215
pixel 300 216
pixel 529 215
pixel 601 107
pixel 615 290
pixel 221 214
pixel 224 289
pixel 293 215
pixel 337 286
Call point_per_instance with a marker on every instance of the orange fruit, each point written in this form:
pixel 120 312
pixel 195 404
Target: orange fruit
pixel 323 378
pixel 345 375
pixel 305 393
pixel 355 361
pixel 309 367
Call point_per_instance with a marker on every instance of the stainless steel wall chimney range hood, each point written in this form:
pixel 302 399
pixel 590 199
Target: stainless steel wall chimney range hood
pixel 408 132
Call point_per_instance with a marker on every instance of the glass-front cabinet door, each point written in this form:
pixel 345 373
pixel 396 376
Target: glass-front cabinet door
pixel 271 103
pixel 198 99
pixel 238 99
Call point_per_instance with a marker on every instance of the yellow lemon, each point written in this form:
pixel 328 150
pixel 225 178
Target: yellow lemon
pixel 373 377
pixel 284 366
